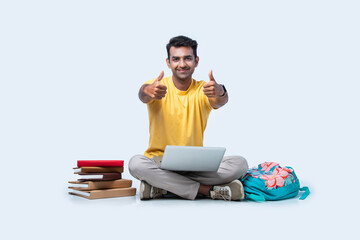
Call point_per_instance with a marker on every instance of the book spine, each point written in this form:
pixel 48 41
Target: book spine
pixel 105 176
pixel 123 183
pixel 99 169
pixel 110 193
pixel 100 163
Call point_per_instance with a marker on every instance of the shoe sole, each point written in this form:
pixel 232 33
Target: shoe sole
pixel 237 189
pixel 144 192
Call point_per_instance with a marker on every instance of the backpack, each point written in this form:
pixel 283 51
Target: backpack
pixel 270 181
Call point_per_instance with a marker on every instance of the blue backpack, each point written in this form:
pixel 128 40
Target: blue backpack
pixel 270 181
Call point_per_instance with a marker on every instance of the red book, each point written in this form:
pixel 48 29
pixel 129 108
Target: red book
pixel 100 163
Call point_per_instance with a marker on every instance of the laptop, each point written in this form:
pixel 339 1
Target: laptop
pixel 189 158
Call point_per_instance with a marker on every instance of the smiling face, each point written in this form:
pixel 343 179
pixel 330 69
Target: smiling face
pixel 182 63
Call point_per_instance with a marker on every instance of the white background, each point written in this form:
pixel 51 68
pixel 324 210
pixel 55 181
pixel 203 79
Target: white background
pixel 70 73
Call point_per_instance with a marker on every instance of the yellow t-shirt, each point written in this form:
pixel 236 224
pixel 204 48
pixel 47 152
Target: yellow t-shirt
pixel 179 118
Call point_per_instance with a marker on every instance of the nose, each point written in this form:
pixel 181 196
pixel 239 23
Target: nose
pixel 182 63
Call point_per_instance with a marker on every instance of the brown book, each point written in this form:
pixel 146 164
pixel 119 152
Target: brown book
pixel 99 176
pixel 106 193
pixel 91 185
pixel 98 169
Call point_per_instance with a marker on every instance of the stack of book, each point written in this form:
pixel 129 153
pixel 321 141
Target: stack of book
pixel 100 179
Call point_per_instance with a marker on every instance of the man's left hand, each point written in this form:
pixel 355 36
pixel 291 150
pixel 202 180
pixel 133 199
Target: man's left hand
pixel 212 89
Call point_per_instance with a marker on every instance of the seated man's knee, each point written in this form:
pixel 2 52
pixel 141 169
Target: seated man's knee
pixel 243 163
pixel 239 165
pixel 135 165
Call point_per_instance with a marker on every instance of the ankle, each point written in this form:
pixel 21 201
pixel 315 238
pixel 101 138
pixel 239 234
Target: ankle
pixel 205 190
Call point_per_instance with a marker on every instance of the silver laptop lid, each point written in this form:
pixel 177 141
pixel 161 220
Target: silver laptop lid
pixel 189 158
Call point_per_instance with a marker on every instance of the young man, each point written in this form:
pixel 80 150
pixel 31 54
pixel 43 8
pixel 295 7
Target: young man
pixel 179 107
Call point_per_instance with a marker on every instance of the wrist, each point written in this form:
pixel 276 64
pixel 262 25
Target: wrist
pixel 224 91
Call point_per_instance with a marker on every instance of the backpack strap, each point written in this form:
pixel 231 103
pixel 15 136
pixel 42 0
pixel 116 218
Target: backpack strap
pixel 254 197
pixel 305 194
pixel 260 198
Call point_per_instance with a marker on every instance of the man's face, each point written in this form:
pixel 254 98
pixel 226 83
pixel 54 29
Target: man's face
pixel 182 62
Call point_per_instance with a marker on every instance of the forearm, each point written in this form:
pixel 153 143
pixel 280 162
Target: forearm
pixel 218 102
pixel 143 96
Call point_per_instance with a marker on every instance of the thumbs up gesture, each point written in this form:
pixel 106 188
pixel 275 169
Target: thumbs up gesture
pixel 156 90
pixel 211 88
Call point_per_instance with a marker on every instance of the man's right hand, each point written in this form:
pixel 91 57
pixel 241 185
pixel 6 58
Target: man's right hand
pixel 156 90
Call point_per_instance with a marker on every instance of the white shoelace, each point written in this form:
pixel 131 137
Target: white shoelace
pixel 221 193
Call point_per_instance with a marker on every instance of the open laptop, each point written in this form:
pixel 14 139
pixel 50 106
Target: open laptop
pixel 189 158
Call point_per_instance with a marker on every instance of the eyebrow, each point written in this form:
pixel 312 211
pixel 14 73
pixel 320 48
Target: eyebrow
pixel 183 57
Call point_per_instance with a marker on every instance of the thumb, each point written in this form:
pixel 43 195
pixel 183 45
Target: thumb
pixel 160 77
pixel 211 76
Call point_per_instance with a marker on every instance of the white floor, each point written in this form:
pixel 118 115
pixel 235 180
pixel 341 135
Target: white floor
pixel 50 213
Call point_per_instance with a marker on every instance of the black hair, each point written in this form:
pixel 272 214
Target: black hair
pixel 181 41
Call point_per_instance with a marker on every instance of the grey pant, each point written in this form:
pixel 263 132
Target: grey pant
pixel 186 184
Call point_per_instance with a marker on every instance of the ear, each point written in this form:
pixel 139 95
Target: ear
pixel 196 61
pixel 168 62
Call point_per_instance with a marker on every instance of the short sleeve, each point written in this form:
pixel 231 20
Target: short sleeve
pixel 207 103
